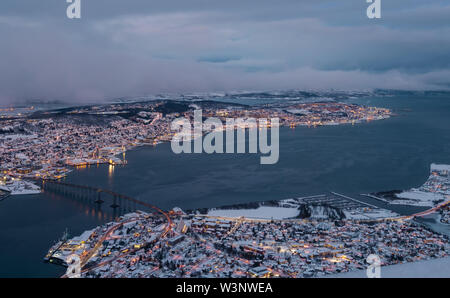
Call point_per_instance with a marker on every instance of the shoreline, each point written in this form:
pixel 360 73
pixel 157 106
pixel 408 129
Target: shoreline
pixel 88 162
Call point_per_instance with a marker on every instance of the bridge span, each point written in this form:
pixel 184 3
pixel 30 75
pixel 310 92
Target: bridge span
pixel 99 196
pixel 96 195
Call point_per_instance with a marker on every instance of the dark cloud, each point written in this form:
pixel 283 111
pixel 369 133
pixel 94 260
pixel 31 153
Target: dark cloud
pixel 137 47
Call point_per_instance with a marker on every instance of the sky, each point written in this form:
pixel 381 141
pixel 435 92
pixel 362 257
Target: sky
pixel 138 47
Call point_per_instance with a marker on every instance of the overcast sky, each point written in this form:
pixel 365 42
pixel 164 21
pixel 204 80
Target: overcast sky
pixel 137 47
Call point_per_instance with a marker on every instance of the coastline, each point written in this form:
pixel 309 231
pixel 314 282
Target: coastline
pixel 274 215
pixel 143 155
pixel 113 159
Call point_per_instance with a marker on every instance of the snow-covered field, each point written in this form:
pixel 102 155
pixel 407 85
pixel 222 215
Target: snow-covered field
pixel 417 197
pixel 369 214
pixel 261 212
pixel 436 268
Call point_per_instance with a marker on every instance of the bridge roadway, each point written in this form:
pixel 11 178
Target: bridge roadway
pixel 110 192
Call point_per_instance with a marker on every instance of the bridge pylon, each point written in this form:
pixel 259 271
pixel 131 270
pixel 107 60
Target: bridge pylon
pixel 114 204
pixel 99 197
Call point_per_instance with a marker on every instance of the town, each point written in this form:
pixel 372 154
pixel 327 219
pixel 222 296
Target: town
pixel 49 144
pixel 211 246
pixel 320 235
pixel 311 236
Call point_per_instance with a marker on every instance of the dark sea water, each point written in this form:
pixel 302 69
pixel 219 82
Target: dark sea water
pixel 382 155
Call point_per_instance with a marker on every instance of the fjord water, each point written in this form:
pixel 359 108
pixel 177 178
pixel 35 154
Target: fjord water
pixel 382 155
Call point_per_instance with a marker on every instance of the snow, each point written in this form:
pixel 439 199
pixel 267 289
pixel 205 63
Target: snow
pixel 20 187
pixel 319 212
pixel 298 111
pixel 369 214
pixel 26 192
pixel 435 268
pixel 21 156
pixel 290 208
pixel 421 198
pixel 436 167
pixel 17 136
pixel 83 237
pixel 435 189
pixel 261 212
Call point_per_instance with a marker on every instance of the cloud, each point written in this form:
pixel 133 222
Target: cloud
pixel 136 48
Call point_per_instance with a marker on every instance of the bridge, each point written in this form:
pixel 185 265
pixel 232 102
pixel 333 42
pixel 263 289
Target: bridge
pixel 98 196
